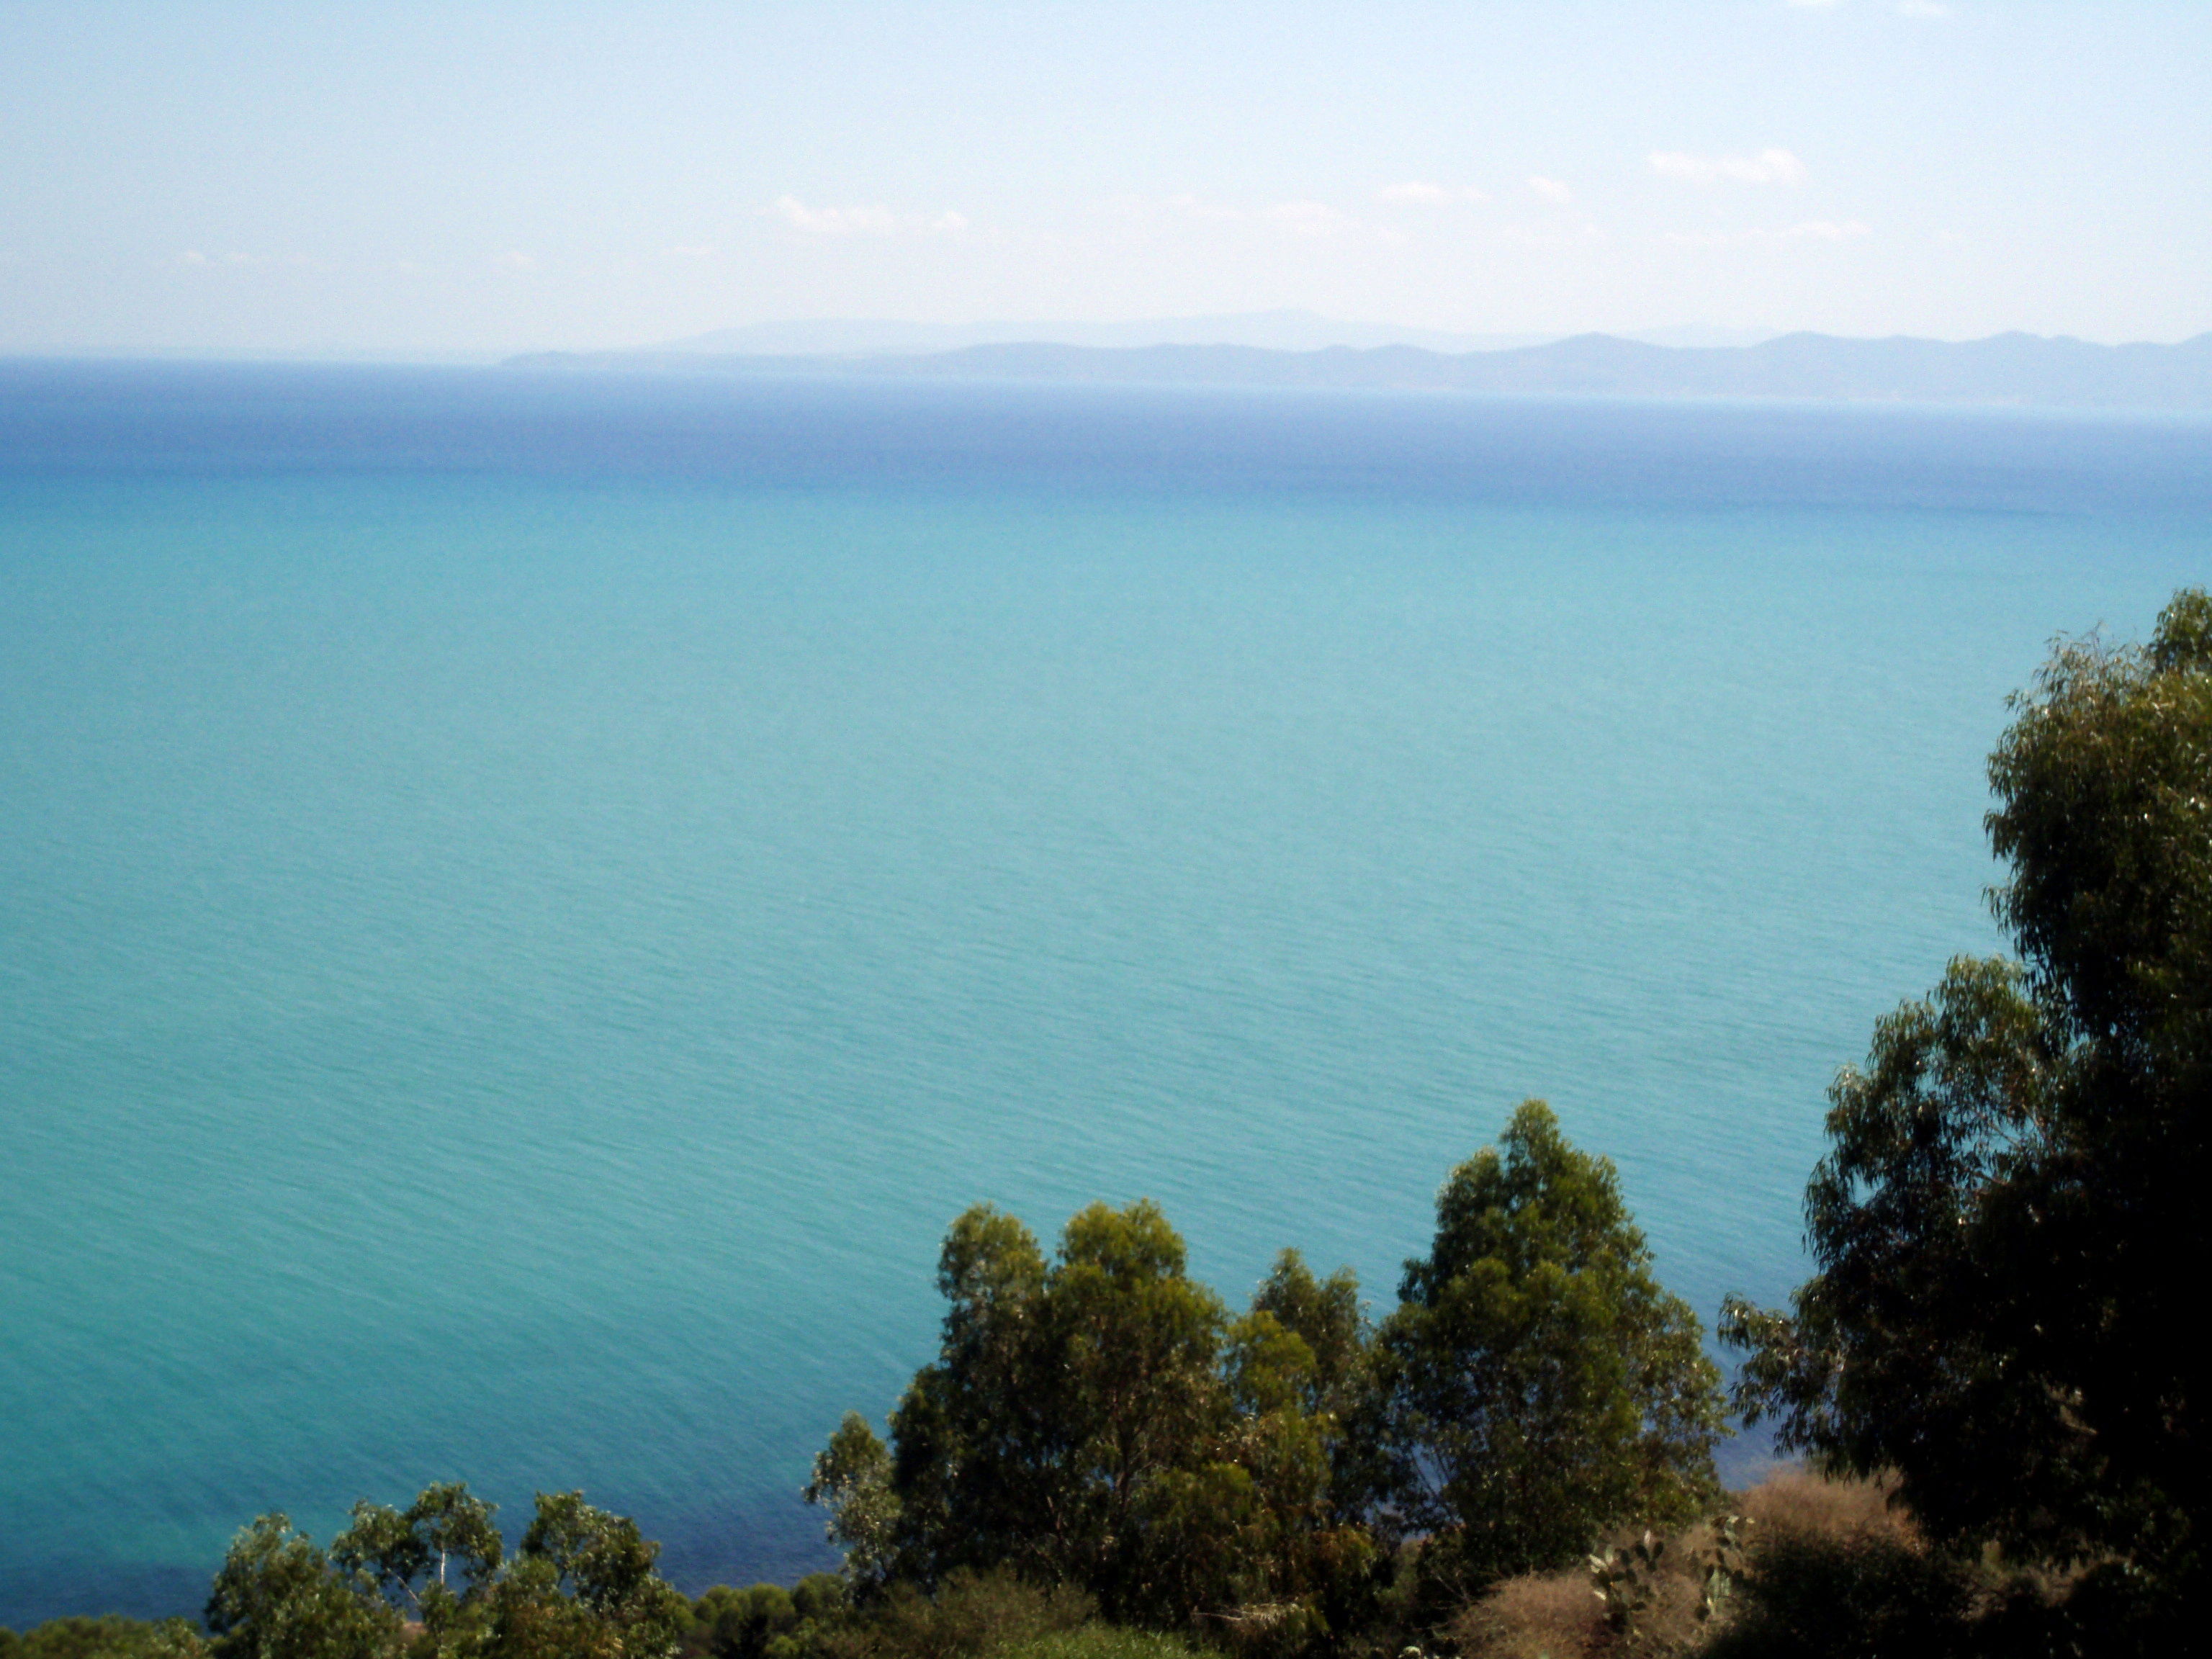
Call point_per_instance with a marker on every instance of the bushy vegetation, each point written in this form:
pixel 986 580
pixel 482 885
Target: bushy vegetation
pixel 107 1637
pixel 1281 1477
pixel 2009 1225
pixel 1096 1641
pixel 1536 1385
pixel 1991 1371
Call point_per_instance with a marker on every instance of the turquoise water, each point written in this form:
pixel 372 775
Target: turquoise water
pixel 524 907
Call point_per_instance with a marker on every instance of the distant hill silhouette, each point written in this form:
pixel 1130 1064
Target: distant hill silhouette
pixel 2024 369
pixel 1273 330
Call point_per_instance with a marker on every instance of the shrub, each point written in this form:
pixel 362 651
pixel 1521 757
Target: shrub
pixel 972 1614
pixel 1650 1598
pixel 740 1624
pixel 1839 1571
pixel 1810 1566
pixel 1097 1641
pixel 108 1638
pixel 1550 1617
pixel 1859 1596
pixel 1792 1500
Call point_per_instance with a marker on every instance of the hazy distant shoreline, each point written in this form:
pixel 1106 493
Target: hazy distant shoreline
pixel 2015 369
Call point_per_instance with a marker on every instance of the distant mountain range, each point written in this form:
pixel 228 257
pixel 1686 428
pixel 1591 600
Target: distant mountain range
pixel 2022 369
pixel 1272 330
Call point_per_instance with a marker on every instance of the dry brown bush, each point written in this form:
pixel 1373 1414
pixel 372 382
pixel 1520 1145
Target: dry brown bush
pixel 1553 1617
pixel 1556 1616
pixel 1796 1501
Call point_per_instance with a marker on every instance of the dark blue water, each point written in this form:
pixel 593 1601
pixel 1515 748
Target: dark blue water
pixel 526 903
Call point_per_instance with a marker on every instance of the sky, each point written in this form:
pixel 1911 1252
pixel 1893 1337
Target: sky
pixel 479 177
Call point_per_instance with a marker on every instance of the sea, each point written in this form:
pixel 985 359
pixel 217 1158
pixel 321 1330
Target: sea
pixel 528 901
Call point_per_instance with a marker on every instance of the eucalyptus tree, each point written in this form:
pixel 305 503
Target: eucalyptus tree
pixel 1099 1419
pixel 2009 1227
pixel 433 1579
pixel 277 1596
pixel 1070 1398
pixel 439 1552
pixel 1536 1385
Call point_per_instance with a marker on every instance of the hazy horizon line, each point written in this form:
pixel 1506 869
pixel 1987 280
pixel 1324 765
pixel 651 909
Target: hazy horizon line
pixel 1679 337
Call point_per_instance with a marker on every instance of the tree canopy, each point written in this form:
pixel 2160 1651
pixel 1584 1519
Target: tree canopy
pixel 1536 1386
pixel 2009 1226
pixel 581 1585
pixel 1100 1421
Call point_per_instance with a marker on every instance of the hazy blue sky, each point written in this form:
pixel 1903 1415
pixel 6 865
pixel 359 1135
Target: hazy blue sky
pixel 202 175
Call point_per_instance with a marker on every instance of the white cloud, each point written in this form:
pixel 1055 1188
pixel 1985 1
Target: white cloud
pixel 1921 8
pixel 1552 190
pixel 1769 167
pixel 833 221
pixel 518 260
pixel 193 256
pixel 1824 230
pixel 1813 5
pixel 1426 195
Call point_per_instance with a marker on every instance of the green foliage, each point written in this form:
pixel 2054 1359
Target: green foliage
pixel 1324 1314
pixel 1624 1580
pixel 1862 1597
pixel 742 1624
pixel 1065 1401
pixel 277 1597
pixel 770 1622
pixel 1725 1559
pixel 1631 1581
pixel 413 1557
pixel 819 1596
pixel 605 1567
pixel 1097 1641
pixel 524 1615
pixel 106 1637
pixel 2010 1221
pixel 1536 1386
pixel 2102 784
pixel 1892 1344
pixel 971 1615
pixel 853 1480
pixel 582 1586
pixel 1099 1421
